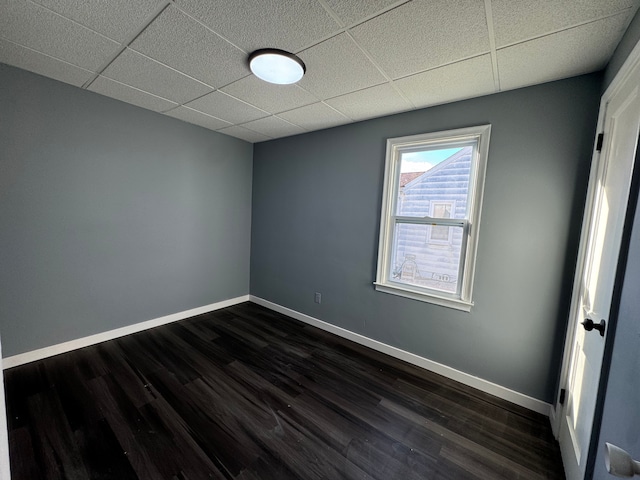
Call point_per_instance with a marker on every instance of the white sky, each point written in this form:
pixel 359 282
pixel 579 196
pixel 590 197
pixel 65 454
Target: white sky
pixel 423 161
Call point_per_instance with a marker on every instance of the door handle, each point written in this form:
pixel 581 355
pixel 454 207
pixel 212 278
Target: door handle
pixel 589 325
pixel 619 462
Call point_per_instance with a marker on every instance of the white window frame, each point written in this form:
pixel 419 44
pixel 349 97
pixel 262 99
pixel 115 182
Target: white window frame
pixel 462 300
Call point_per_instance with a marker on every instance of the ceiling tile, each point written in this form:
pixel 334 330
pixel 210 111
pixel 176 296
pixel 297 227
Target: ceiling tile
pixel 28 59
pixel 33 26
pixel 424 34
pixel 186 45
pixel 286 24
pixel 128 94
pixel 337 66
pixel 315 117
pixel 244 134
pixel 273 127
pixel 117 19
pixel 146 74
pixel 352 11
pixel 227 108
pixel 469 78
pixel 517 21
pixel 576 51
pixel 197 118
pixel 371 102
pixel 267 96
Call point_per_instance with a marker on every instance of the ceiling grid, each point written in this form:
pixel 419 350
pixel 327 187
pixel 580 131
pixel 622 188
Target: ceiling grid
pixel 365 58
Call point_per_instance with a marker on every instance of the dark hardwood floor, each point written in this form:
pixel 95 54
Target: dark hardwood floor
pixel 246 393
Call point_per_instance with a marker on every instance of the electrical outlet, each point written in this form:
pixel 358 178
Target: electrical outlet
pixel 318 297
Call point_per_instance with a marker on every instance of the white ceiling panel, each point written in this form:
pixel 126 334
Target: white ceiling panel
pixel 329 75
pixel 244 134
pixel 285 24
pixel 425 34
pixel 125 93
pixel 269 97
pixel 370 102
pixel 190 56
pixel 146 74
pixel 518 21
pixel 315 117
pixel 576 51
pixel 353 11
pixel 33 26
pixel 197 118
pixel 469 78
pixel 177 40
pixel 226 107
pixel 117 19
pixel 27 59
pixel 273 127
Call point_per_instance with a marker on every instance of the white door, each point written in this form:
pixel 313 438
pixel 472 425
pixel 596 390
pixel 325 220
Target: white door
pixel 592 292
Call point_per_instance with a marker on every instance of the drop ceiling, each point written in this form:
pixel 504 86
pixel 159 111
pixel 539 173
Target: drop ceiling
pixel 365 58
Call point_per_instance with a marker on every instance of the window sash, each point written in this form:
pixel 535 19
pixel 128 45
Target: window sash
pixel 466 228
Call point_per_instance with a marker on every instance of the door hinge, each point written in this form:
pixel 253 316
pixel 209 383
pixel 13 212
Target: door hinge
pixel 599 142
pixel 563 394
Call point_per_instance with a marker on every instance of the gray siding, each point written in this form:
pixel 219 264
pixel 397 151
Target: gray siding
pixel 419 259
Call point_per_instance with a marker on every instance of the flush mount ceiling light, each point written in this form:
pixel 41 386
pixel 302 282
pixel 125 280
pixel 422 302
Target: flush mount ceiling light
pixel 276 66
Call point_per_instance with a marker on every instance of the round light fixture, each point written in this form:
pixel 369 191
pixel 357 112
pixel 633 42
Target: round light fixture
pixel 276 66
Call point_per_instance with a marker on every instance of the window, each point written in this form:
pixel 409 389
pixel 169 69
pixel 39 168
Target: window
pixel 430 215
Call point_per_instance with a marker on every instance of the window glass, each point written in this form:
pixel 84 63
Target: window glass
pixel 432 198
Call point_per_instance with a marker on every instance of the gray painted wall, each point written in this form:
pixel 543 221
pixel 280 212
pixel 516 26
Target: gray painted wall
pixel 316 214
pixel 628 41
pixel 111 214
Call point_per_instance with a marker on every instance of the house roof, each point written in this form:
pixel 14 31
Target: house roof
pixel 188 58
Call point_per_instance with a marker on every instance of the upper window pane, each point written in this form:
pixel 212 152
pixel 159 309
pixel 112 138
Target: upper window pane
pixel 431 181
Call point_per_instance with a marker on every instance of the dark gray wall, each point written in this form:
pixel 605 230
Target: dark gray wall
pixel 316 215
pixel 628 41
pixel 111 214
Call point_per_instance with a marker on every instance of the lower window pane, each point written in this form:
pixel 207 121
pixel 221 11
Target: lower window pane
pixel 421 258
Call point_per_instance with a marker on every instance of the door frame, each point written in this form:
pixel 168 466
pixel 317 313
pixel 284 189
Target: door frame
pixel 630 66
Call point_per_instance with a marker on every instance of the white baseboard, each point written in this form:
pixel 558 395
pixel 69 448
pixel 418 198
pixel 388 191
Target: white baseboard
pixel 45 352
pixel 449 372
pixel 553 419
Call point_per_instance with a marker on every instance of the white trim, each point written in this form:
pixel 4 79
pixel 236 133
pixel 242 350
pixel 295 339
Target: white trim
pixel 5 464
pixel 553 420
pixel 630 64
pixel 624 73
pixel 444 370
pixel 407 292
pixel 65 347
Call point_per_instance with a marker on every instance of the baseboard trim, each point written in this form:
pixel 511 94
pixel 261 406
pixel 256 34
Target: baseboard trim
pixel 65 347
pixel 553 419
pixel 444 370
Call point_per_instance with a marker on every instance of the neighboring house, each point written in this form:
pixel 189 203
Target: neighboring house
pixel 429 255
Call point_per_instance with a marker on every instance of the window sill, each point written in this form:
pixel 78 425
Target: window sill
pixel 408 292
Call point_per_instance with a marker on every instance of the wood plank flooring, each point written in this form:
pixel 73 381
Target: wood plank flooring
pixel 246 393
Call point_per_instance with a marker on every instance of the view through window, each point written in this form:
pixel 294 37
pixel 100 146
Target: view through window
pixel 432 198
